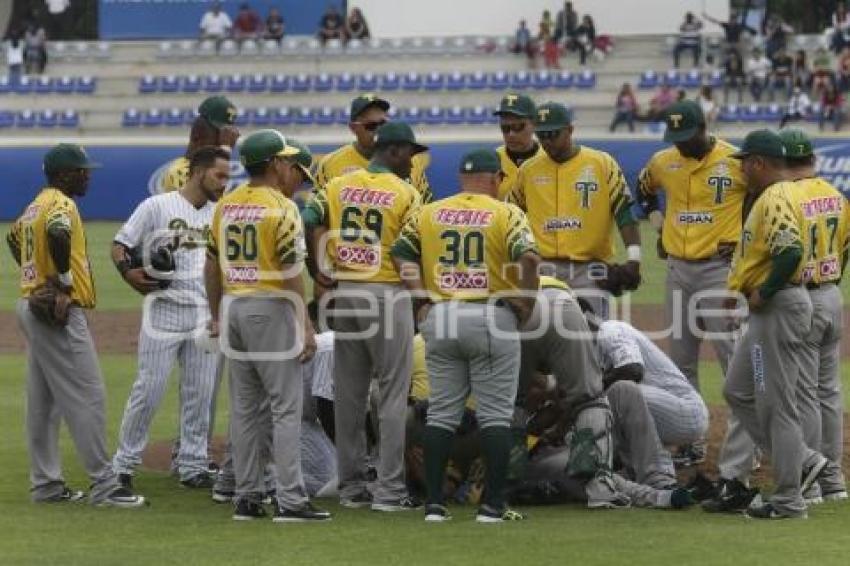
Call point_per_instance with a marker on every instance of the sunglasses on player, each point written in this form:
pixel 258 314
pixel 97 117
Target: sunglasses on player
pixel 372 126
pixel 548 134
pixel 508 128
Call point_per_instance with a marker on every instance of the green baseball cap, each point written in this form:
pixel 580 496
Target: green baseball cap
pixel 519 105
pixel 218 111
pixel 481 161
pixel 304 158
pixel 263 145
pixel 551 117
pixel 797 143
pixel 68 156
pixel 367 100
pixel 683 120
pixel 393 133
pixel 761 142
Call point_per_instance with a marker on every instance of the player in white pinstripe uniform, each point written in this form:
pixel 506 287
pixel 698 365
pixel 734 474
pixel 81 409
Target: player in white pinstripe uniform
pixel 678 410
pixel 179 220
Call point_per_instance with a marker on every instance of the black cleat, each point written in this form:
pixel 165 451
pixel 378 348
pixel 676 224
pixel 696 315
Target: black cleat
pixel 125 480
pixel 199 481
pixel 307 513
pixel 124 498
pixel 362 499
pixel 702 488
pixel 406 503
pixel 67 496
pixel 768 511
pixel 247 510
pixel 733 497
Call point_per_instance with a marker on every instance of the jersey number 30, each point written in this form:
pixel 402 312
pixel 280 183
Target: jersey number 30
pixel 467 248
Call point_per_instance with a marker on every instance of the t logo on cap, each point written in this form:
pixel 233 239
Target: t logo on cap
pixel 231 114
pixel 675 120
pixel 510 99
pixel 542 114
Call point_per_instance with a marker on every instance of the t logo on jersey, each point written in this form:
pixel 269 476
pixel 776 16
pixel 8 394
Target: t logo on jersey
pixel 586 185
pixel 719 184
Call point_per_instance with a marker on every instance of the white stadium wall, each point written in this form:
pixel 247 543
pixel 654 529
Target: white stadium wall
pixel 404 18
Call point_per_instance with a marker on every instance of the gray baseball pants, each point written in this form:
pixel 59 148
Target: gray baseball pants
pixel 582 276
pixel 64 383
pixel 373 339
pixel 761 389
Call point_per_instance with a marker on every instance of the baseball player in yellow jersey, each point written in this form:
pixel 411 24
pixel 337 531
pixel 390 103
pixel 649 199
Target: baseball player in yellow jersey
pixel 469 253
pixel 255 261
pixel 213 126
pixel 368 113
pixel 825 218
pixel 352 223
pixel 64 381
pixel 764 371
pixel 516 121
pixel 574 196
pixel 704 190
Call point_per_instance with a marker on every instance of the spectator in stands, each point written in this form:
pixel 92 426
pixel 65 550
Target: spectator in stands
pixel 15 57
pixel 781 74
pixel 546 22
pixel 356 26
pixel 831 107
pixel 660 102
pixel 585 37
pixel 733 30
pixel 733 75
pixel 776 33
pixel 690 39
pixel 758 73
pixel 625 108
pixel 710 109
pixel 331 26
pixel 822 74
pixel 551 52
pixel 247 24
pixel 843 74
pixel 275 26
pixel 798 105
pixel 681 95
pixel 216 24
pixel 800 70
pixel 35 49
pixel 566 23
pixel 840 28
pixel 58 13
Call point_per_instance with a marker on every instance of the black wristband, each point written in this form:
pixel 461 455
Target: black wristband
pixel 123 266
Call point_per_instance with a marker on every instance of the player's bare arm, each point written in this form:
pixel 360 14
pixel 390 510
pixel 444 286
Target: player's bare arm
pixel 529 283
pixel 316 234
pixel 135 277
pixel 212 283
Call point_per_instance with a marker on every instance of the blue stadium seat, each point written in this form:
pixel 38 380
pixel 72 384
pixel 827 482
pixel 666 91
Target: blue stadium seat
pixel 343 115
pixel 169 84
pixel 47 119
pixel 520 80
pixel 367 82
pixel 345 82
pixel 541 80
pixel 672 78
pixel 7 119
pixel 693 79
pixel 304 116
pixel 390 82
pixel 729 113
pixel 23 85
pixel 323 83
pixel 131 119
pixel 477 115
pixel 655 127
pixel 499 80
pixel 813 113
pixel 412 81
pixel 258 83
pixel 260 117
pixel 4 84
pixel 190 116
pixel 564 79
pixel 715 79
pixel 282 116
pixel 235 83
pixel 26 119
pixel 301 82
pixel 477 81
pixel 586 79
pixel 190 84
pixel 412 115
pixel 435 81
pixel 648 80
pixel 326 116
pixel 773 113
pixel 392 113
pixel 44 85
pixel 280 83
pixel 241 118
pixel 152 118
pixel 456 81
pixel 435 115
pixel 65 85
pixel 751 113
pixel 213 83
pixel 85 85
pixel 148 85
pixel 455 116
pixel 174 117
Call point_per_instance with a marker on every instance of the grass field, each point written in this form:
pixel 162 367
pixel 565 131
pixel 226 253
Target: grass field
pixel 187 528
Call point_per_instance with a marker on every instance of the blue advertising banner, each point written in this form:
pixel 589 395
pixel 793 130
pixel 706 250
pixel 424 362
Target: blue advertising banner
pixel 155 19
pixel 131 173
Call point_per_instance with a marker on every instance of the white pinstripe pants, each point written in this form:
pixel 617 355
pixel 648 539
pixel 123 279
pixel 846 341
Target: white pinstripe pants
pixel 678 420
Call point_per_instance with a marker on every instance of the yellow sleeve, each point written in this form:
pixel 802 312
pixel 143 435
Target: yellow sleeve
pixel 781 229
pixel 58 215
pixel 647 184
pixel 419 179
pixel 289 236
pixel 322 178
pixel 621 197
pixel 13 239
pixel 519 238
pixel 516 196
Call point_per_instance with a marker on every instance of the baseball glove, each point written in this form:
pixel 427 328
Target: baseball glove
pixel 161 262
pixel 612 281
pixel 629 275
pixel 50 304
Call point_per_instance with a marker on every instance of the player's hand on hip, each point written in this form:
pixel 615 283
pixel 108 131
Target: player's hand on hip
pixel 309 349
pixel 422 312
pixel 212 328
pixel 138 280
pixel 755 300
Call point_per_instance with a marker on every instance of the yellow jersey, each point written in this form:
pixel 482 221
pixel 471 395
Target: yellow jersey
pixel 824 216
pixel 510 169
pixel 29 235
pixel 175 175
pixel 572 207
pixel 466 245
pixel 256 234
pixel 364 212
pixel 704 199
pixel 347 160
pixel 771 228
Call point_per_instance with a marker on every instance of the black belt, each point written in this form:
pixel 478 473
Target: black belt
pixel 812 285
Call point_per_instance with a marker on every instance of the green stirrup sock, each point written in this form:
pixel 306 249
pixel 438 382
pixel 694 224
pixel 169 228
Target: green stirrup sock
pixel 496 446
pixel 438 444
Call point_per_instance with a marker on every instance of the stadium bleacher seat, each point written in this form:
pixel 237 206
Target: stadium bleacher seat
pixel 249 48
pixel 772 113
pixel 57 50
pixel 310 47
pixel 186 49
pixel 282 116
pixel 165 50
pixel 455 116
pixel 64 85
pixel 541 80
pixel 103 51
pixel 434 116
pixel 456 81
pixel 345 82
pixel 477 81
pixel 242 117
pixel 4 85
pixel 260 117
pixel 47 119
pixel 132 118
pixel 520 80
pixel 174 117
pixel 434 81
pixel 813 112
pixel 412 115
pixel 148 84
pixel 290 45
pixel 729 113
pixel 412 81
pixel 477 115
pixel 280 83
pixel 190 84
pixel 648 80
pixel 7 119
pixel 672 78
pixel 715 79
pixel 169 84
pixel 23 85
pixel 693 79
pixel 333 47
pixel 228 48
pixel 563 79
pixel 85 84
pixel 258 83
pixel 205 48
pixel 304 116
pixel 69 119
pixel 367 82
pixel 213 83
pixel 499 80
pixel 751 113
pixel 354 47
pixel 152 118
pixel 393 113
pixel 325 116
pixel 80 50
pixel 586 79
pixel 343 115
pixel 301 82
pixel 235 83
pixel 270 48
pixel 323 83
pixel 43 85
pixel 390 82
pixel 26 119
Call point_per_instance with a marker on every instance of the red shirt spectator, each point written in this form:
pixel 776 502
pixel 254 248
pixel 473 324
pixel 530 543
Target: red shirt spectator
pixel 247 24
